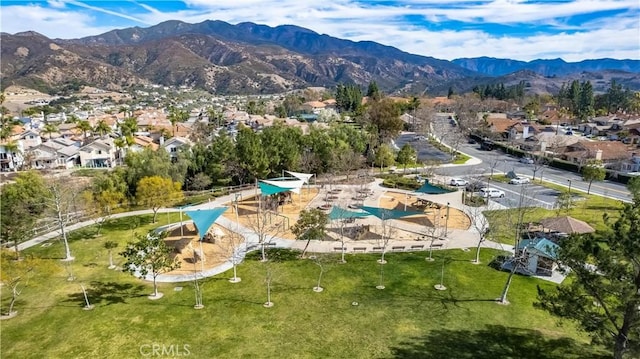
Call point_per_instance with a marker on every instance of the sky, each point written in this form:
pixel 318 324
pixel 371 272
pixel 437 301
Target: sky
pixel 573 30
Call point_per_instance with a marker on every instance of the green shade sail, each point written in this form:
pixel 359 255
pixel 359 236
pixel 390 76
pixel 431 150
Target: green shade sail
pixel 341 213
pixel 268 189
pixel 204 218
pixel 428 188
pixel 384 213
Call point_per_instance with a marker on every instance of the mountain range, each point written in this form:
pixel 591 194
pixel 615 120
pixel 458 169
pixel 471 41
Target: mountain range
pixel 251 58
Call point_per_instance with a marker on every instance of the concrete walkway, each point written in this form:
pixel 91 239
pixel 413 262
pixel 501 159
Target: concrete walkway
pixel 454 238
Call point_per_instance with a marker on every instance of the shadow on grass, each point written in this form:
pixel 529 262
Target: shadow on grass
pixel 493 342
pixel 108 293
pixel 127 223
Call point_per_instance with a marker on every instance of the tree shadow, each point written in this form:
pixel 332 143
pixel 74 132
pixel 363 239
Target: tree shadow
pixel 127 223
pixel 107 293
pixel 493 342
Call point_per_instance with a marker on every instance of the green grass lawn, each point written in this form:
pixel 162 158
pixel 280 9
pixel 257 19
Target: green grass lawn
pixel 408 319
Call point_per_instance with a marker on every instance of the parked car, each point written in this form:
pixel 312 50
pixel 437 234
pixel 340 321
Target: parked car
pixel 519 180
pixel 458 182
pixel 491 193
pixel 526 160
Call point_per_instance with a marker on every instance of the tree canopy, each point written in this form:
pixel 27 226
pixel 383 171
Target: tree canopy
pixel 602 293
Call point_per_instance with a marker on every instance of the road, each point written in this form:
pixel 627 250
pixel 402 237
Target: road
pixel 503 163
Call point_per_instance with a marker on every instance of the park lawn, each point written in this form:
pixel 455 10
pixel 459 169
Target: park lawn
pixel 407 317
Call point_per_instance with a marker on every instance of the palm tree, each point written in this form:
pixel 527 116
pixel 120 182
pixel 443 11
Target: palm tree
pixel 50 129
pixel 102 128
pixel 175 116
pixel 129 126
pixel 120 144
pixel 84 126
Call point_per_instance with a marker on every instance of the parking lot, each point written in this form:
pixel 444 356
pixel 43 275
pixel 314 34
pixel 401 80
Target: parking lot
pixel 526 195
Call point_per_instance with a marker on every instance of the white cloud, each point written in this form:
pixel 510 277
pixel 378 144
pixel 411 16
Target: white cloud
pixel 616 36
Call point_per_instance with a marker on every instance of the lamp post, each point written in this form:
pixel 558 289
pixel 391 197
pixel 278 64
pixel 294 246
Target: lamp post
pixel 570 197
pixel 446 221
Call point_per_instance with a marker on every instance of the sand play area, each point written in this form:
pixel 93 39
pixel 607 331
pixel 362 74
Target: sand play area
pixel 217 246
pixel 275 224
pixel 435 214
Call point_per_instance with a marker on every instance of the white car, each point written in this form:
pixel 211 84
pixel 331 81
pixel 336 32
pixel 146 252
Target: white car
pixel 526 160
pixel 458 182
pixel 491 193
pixel 519 180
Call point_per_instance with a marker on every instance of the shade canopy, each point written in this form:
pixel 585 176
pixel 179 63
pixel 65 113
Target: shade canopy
pixel 292 184
pixel 204 218
pixel 385 213
pixel 540 246
pixel 268 189
pixel 341 213
pixel 302 176
pixel 566 224
pixel 431 189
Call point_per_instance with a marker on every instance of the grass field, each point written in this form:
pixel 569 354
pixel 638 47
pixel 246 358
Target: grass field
pixel 408 319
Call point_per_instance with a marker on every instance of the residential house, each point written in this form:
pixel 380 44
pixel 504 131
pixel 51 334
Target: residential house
pixel 30 138
pixel 610 153
pixel 11 155
pixel 547 142
pixel 141 142
pixel 56 153
pixel 313 106
pixel 98 153
pixel 174 145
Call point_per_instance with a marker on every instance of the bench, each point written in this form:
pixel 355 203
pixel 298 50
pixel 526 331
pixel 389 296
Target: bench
pixel 417 247
pixel 270 244
pixel 437 245
pixel 377 249
pixel 338 249
pixel 359 249
pixel 397 249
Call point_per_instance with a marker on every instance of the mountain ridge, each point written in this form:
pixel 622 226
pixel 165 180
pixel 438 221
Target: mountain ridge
pixel 249 58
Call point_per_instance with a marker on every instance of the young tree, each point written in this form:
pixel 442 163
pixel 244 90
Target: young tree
pixel 311 224
pixel 406 155
pixel 156 192
pixel 603 295
pixel 149 255
pixel 563 202
pixel 593 172
pixel 15 275
pixel 321 261
pixel 481 224
pixel 62 202
pixel 232 247
pixel 384 156
pixel 261 224
pixel 109 246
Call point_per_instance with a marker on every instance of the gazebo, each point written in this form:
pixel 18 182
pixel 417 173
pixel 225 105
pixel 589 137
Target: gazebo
pixel 566 224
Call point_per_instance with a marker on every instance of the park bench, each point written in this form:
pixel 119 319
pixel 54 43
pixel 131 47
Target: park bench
pixel 417 247
pixel 337 249
pixel 377 249
pixel 359 249
pixel 397 249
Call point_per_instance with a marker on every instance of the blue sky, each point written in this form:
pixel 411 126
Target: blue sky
pixel 518 29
